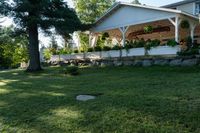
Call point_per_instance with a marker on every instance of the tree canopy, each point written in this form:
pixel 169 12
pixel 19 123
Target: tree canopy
pixel 30 15
pixel 89 11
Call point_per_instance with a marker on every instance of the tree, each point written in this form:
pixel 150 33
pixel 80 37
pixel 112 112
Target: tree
pixel 30 15
pixel 88 12
pixel 13 49
pixel 136 2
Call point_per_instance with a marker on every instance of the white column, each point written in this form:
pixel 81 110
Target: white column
pixel 176 25
pixel 94 40
pixel 123 31
pixel 90 39
pixel 177 29
pixel 192 28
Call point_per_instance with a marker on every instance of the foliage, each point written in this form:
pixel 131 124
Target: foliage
pixel 63 51
pixel 148 29
pixel 128 45
pixel 84 40
pixel 30 15
pixel 140 43
pixel 97 48
pixel 47 54
pixel 116 47
pixel 71 70
pixel 88 12
pixel 185 24
pixel 171 43
pixel 105 36
pixel 106 48
pixel 189 52
pixel 90 50
pixel 13 48
pixel 76 51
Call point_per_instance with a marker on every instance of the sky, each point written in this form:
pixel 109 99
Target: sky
pixel 157 3
pixel 147 2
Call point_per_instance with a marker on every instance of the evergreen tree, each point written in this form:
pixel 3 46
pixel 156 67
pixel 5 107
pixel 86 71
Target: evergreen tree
pixel 30 15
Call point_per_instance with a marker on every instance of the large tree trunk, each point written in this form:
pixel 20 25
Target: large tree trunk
pixel 34 55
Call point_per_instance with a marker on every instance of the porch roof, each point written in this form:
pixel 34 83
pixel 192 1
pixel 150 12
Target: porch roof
pixel 126 14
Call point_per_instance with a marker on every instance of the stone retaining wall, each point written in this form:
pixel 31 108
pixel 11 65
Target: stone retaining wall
pixel 135 61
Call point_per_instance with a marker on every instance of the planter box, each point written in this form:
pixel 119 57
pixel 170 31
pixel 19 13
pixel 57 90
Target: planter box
pixel 93 55
pixel 164 50
pixel 113 53
pixel 134 52
pixel 160 50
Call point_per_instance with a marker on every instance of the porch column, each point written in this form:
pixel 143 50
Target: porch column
pixel 176 24
pixel 177 29
pixel 192 28
pixel 123 30
pixel 93 39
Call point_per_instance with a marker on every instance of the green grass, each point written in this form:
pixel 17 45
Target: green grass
pixel 134 100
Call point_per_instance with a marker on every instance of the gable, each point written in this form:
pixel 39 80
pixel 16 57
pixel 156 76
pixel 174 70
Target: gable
pixel 131 15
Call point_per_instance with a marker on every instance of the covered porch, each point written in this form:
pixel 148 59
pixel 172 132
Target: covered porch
pixel 125 22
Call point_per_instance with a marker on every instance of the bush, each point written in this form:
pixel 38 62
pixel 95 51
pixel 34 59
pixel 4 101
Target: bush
pixel 47 54
pixel 148 29
pixel 128 46
pixel 97 48
pixel 71 70
pixel 76 51
pixel 172 43
pixel 189 52
pixel 139 44
pixel 155 43
pixel 106 48
pixel 90 50
pixel 185 24
pixel 105 35
pixel 116 47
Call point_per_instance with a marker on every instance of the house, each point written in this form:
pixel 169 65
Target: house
pixel 125 21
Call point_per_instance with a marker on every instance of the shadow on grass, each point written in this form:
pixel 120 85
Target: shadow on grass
pixel 157 99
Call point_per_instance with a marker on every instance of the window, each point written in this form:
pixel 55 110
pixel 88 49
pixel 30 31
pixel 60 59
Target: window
pixel 197 9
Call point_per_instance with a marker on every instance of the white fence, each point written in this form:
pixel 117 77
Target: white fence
pixel 160 50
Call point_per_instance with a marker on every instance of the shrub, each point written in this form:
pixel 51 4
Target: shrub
pixel 105 35
pixel 148 29
pixel 76 51
pixel 185 24
pixel 189 42
pixel 155 43
pixel 192 51
pixel 106 48
pixel 90 50
pixel 139 44
pixel 148 44
pixel 97 48
pixel 172 43
pixel 64 51
pixel 47 54
pixel 71 70
pixel 116 47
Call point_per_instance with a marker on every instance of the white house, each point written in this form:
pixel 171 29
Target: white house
pixel 124 21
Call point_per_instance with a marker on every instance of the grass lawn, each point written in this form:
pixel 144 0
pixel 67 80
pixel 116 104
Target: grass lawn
pixel 134 100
